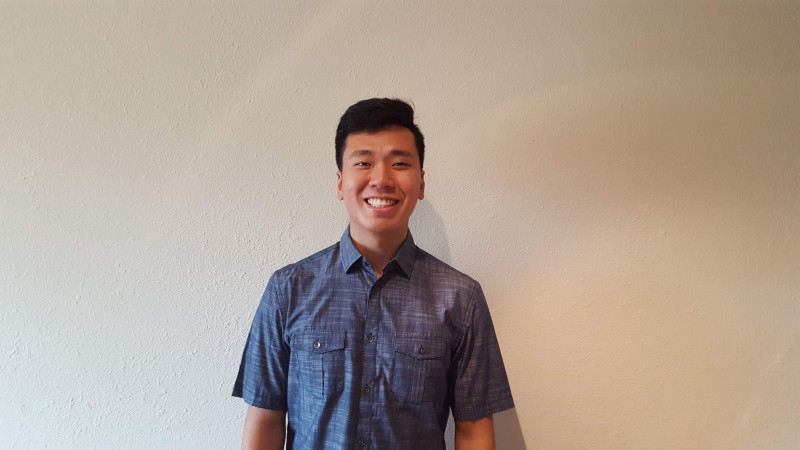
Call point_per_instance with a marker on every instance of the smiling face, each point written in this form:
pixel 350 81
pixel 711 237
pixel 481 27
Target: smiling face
pixel 380 183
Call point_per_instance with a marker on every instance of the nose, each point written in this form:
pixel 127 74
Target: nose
pixel 382 177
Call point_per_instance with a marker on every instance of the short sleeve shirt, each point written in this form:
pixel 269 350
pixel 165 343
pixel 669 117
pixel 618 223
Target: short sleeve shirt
pixel 364 362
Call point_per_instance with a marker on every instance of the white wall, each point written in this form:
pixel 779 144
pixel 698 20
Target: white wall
pixel 622 177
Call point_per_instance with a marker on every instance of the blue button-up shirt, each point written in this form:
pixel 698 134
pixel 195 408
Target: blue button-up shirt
pixel 365 362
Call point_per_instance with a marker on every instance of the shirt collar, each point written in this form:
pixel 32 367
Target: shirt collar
pixel 349 255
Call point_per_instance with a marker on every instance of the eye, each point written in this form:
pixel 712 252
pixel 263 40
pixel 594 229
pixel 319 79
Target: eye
pixel 361 164
pixel 401 164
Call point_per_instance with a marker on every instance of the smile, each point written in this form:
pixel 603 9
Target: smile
pixel 381 202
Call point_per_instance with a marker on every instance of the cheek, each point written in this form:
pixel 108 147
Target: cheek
pixel 349 190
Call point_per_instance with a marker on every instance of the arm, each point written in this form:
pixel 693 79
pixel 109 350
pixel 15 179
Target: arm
pixel 475 434
pixel 264 429
pixel 478 383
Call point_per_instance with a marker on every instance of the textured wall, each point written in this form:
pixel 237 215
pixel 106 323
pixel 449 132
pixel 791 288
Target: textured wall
pixel 621 177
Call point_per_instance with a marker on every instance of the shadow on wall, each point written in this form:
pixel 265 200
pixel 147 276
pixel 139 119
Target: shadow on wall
pixel 429 233
pixel 428 230
pixel 507 431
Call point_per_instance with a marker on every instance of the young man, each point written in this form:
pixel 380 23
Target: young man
pixel 372 341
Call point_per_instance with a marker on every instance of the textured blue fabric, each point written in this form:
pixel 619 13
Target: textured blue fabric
pixel 365 362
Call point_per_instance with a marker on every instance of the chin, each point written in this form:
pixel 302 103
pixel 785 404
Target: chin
pixel 386 228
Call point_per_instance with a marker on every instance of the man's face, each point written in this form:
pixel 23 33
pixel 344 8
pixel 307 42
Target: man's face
pixel 380 182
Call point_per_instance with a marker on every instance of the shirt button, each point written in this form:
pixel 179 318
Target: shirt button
pixel 317 344
pixel 365 389
pixel 370 338
pixel 362 442
pixel 421 349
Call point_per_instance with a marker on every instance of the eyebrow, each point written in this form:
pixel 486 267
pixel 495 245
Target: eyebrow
pixel 363 153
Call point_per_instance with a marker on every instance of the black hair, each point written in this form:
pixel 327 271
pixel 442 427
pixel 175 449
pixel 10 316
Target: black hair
pixel 373 115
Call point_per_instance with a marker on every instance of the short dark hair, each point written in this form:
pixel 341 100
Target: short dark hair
pixel 373 115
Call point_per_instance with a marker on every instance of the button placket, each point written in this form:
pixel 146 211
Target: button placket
pixel 370 371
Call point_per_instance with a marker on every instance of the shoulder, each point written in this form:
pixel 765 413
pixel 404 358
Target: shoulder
pixel 461 294
pixel 442 275
pixel 306 269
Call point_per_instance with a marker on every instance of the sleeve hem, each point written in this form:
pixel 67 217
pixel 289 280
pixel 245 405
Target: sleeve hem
pixel 262 402
pixel 476 414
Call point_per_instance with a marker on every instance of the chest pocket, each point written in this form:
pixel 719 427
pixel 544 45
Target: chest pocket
pixel 319 358
pixel 419 367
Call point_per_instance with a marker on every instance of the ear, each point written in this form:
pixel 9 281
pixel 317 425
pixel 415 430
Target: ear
pixel 422 185
pixel 339 194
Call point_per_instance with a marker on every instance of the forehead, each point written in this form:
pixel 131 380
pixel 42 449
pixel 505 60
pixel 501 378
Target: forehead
pixel 389 140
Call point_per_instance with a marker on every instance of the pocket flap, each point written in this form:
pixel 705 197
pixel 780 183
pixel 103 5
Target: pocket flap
pixel 318 342
pixel 420 347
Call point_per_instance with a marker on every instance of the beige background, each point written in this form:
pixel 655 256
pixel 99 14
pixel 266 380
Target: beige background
pixel 622 177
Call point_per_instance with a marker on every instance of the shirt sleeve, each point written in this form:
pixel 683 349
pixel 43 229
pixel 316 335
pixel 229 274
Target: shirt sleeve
pixel 480 386
pixel 265 362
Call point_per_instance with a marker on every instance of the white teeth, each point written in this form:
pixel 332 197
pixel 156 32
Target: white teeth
pixel 381 202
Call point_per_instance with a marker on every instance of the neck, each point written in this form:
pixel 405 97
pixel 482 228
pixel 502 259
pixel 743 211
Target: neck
pixel 378 249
